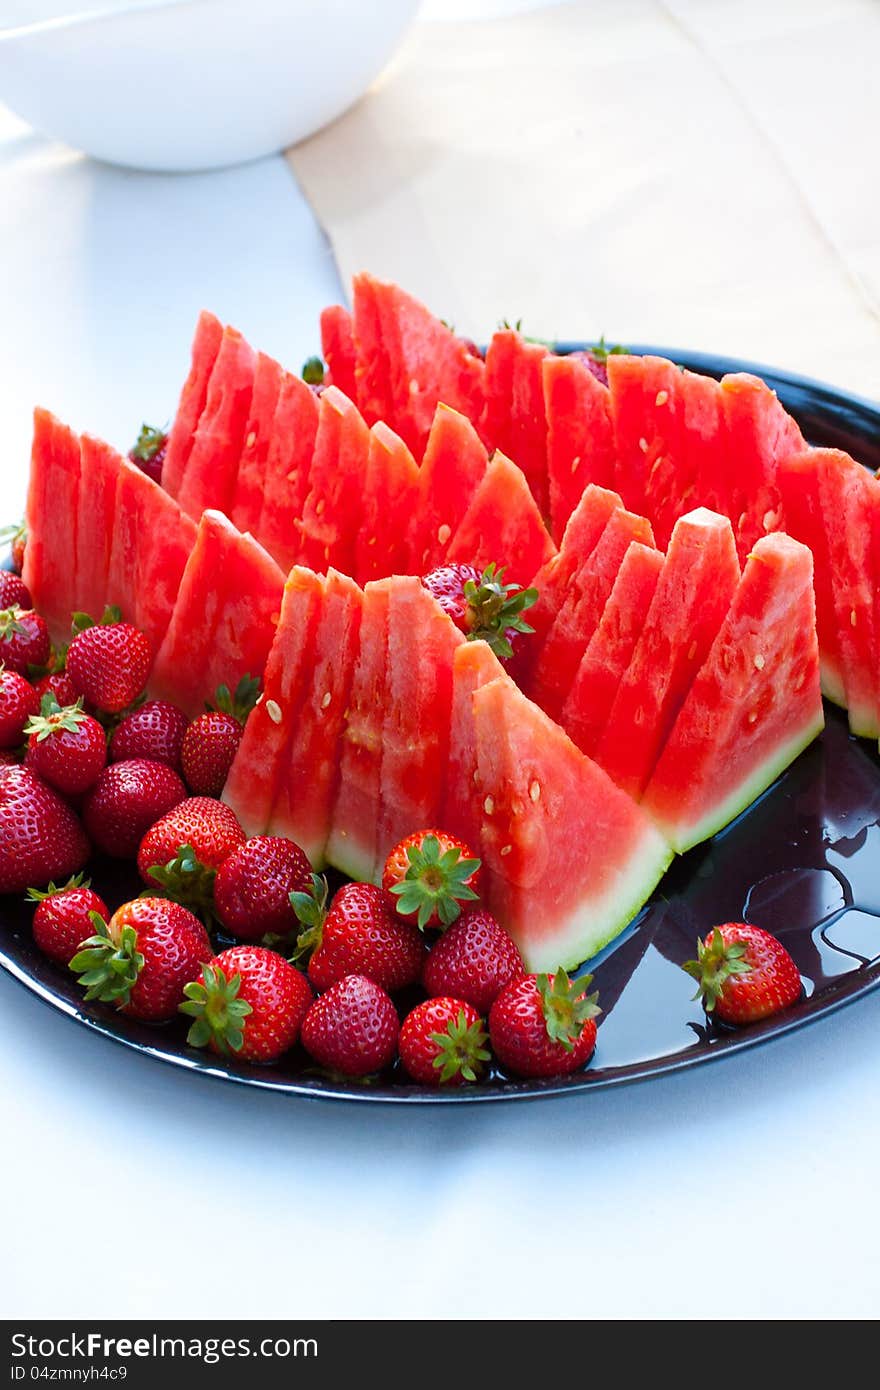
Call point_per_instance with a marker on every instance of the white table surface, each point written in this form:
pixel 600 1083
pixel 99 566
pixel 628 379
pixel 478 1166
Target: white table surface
pixel 752 1180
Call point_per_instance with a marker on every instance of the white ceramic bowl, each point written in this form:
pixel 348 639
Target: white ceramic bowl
pixel 197 84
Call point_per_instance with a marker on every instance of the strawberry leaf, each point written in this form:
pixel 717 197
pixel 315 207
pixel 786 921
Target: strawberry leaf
pixel 566 1006
pixel 717 961
pixel 217 1011
pixel 461 1049
pixel 435 883
pixel 108 969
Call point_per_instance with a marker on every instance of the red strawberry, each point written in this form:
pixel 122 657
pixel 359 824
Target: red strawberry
pixel 108 664
pixel 212 740
pixel 154 730
pixel 443 1042
pixel 596 358
pixel 40 836
pixel 431 873
pixel 544 1025
pixel 67 747
pixel 353 1028
pixel 143 957
pixel 8 758
pixel 253 887
pixel 149 451
pixel 250 1001
pixel 473 960
pixel 59 684
pixel 24 639
pixel 18 702
pixel 482 605
pixel 126 800
pixel 184 849
pixel 19 543
pixel 61 917
pixel 361 934
pixel 14 593
pixel 743 973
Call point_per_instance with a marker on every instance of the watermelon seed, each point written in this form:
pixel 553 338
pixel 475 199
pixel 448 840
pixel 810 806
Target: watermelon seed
pixel 326 700
pixel 320 508
pixel 535 791
pixel 576 463
pixel 759 662
pixel 488 805
pixel 661 398
pixel 753 716
pixel 251 440
pixel 852 617
pixel 770 520
pixel 643 445
pixel 443 534
pixel 505 849
pixel 274 711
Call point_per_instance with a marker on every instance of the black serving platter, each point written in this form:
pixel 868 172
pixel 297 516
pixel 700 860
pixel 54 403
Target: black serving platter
pixel 803 862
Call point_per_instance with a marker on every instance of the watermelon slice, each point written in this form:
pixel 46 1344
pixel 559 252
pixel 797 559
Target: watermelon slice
pixel 577 620
pixel 247 495
pixel 694 592
pixel 307 787
pixel 206 345
pixel 288 463
pixel 610 650
pixel 388 500
pixel 628 388
pixel 372 370
pixel 208 477
pixel 453 467
pixel 337 346
pixel 253 780
pixel 53 519
pixel 224 619
pixel 418 694
pixel 754 705
pixel 352 844
pixel 502 525
pixel 580 438
pixel 474 664
pixel 515 421
pixel 568 858
pixel 760 432
pixel 99 475
pixel 330 520
pixel 803 518
pixel 701 476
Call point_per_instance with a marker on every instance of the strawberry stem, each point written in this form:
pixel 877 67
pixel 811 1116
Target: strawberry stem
pixel 717 961
pixel 566 1006
pixel 494 609
pixel 462 1049
pixel 217 1011
pixel 149 442
pixel 241 703
pixel 186 880
pixel 435 883
pixel 109 969
pixel 311 909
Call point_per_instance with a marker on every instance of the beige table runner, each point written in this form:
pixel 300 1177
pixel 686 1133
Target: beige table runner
pixel 698 173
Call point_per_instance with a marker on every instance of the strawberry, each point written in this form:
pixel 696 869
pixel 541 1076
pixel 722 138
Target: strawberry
pixel 62 917
pixel 431 873
pixel 211 741
pixel 253 887
pixel 249 1001
pixel 353 1028
pixel 473 960
pixel 743 973
pixel 17 537
pixel 108 662
pixel 149 450
pixel 67 747
pixel 14 593
pixel 154 730
pixel 126 800
pixel 544 1025
pixel 19 701
pixel 482 605
pixel 181 853
pixel 596 358
pixel 59 684
pixel 361 934
pixel 24 639
pixel 443 1042
pixel 8 758
pixel 143 957
pixel 40 836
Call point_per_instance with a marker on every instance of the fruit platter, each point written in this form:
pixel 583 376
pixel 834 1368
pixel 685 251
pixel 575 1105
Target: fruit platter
pixel 441 723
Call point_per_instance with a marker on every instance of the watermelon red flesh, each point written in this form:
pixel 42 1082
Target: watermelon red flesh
pixel 474 664
pixel 580 438
pixel 388 500
pixel 415 733
pixel 515 421
pixel 330 517
pixel 848 499
pixel 453 467
pixel 610 650
pixel 224 620
pixel 337 346
pixel 253 780
pixel 503 526
pixel 309 778
pixel 702 475
pixel 798 481
pixel 208 478
pixel 663 406
pixel 759 433
pixel 373 390
pixel 626 385
pixel 288 463
pixel 206 345
pixel 99 476
pixel 568 858
pixel 694 592
pixel 352 844
pixel 52 517
pixel 247 496
pixel 577 620
pixel 754 705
